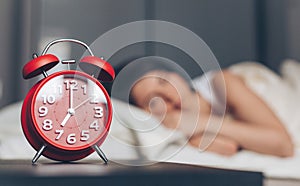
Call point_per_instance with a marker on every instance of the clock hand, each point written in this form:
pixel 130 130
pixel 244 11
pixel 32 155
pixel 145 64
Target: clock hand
pixel 82 103
pixel 71 111
pixel 71 97
pixel 63 123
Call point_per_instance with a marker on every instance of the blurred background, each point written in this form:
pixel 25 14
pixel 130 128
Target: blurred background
pixel 266 31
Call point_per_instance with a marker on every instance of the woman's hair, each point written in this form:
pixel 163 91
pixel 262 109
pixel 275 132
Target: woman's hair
pixel 132 99
pixel 135 70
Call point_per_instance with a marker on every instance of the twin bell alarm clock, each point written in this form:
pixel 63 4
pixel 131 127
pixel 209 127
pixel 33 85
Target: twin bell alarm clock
pixel 66 116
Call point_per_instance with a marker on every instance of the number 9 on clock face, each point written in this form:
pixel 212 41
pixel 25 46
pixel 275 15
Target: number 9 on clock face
pixel 71 111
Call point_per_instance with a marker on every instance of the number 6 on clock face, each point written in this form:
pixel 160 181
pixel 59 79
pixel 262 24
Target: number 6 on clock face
pixel 71 111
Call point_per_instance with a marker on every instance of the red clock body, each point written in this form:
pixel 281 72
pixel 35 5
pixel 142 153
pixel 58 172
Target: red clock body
pixel 68 113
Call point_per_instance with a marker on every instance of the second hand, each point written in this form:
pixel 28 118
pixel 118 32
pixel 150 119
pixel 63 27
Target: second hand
pixel 82 103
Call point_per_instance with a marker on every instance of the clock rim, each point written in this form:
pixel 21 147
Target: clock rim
pixel 99 140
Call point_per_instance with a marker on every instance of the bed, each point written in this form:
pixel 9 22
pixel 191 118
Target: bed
pixel 135 135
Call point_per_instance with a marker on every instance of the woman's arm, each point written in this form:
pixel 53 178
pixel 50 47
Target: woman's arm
pixel 245 135
pixel 188 122
pixel 220 145
pixel 255 126
pixel 261 139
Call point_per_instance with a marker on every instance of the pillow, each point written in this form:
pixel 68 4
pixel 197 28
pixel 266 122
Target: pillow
pixel 137 129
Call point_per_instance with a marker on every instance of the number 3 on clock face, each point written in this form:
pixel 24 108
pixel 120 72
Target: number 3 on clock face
pixel 71 111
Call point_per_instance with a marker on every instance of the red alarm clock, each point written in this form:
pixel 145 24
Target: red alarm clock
pixel 66 116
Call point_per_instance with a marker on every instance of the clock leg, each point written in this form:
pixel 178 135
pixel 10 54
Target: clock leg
pixel 100 153
pixel 38 154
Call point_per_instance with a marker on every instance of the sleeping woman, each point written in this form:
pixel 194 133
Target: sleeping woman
pixel 252 125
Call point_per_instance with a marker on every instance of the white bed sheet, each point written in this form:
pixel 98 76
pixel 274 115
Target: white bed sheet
pixel 13 145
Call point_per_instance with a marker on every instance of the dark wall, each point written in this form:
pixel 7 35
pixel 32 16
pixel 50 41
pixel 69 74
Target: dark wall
pixel 234 30
pixel 228 27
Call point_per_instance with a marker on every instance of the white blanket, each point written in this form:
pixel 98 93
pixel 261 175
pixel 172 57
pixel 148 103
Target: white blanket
pixel 136 135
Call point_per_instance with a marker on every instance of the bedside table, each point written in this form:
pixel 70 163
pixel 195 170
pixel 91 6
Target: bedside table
pixel 22 172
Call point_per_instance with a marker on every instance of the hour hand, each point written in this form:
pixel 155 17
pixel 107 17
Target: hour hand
pixel 71 112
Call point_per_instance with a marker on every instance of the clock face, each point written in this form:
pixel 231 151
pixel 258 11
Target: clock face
pixel 71 111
